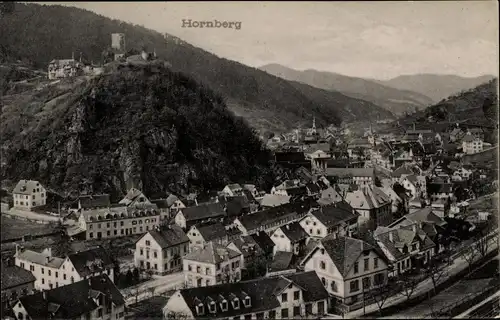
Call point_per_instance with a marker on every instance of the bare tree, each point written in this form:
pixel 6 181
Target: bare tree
pixel 482 246
pixel 152 291
pixel 407 284
pixel 380 296
pixel 435 271
pixel 469 254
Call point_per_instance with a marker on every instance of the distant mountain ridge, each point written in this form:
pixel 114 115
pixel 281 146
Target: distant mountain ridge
pixel 38 34
pixel 435 86
pixel 394 100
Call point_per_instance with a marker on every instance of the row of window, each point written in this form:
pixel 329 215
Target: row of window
pixel 234 265
pixel 366 264
pixel 42 269
pixel 27 203
pixel 173 263
pixel 21 196
pixel 378 279
pixel 115 224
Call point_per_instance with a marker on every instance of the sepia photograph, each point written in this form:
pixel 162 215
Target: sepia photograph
pixel 232 160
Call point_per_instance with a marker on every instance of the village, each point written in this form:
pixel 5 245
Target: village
pixel 360 224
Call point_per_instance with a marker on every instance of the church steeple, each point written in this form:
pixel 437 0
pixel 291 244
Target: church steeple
pixel 314 122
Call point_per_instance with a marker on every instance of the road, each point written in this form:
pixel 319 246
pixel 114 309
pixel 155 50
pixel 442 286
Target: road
pixel 32 215
pixel 487 308
pixel 425 286
pixel 161 284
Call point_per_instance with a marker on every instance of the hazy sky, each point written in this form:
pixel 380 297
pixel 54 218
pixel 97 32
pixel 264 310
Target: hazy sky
pixel 375 40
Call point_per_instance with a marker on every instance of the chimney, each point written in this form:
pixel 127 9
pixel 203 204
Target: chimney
pixel 73 55
pixel 414 227
pixel 391 238
pixel 47 259
pixel 90 282
pixel 44 294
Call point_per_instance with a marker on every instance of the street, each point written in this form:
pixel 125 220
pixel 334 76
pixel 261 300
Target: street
pixel 161 284
pixel 458 265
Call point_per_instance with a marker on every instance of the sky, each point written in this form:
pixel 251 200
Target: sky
pixel 379 40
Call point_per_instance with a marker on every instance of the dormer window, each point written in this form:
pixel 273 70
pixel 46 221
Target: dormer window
pixel 200 309
pixel 247 302
pixel 223 305
pixel 236 304
pixel 211 307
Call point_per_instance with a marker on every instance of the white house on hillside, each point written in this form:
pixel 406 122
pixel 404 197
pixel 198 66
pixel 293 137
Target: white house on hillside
pixel 29 194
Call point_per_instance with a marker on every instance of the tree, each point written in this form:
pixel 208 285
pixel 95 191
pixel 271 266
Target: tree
pixel 257 268
pixel 469 254
pixel 380 296
pixel 129 278
pixel 407 283
pixel 7 7
pixel 435 271
pixel 170 315
pixel 107 55
pixel 136 275
pixel 152 291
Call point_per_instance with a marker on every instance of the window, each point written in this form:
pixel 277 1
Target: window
pixel 375 263
pixel 334 286
pixel 207 283
pixel 207 270
pixel 64 276
pixel 190 268
pixel 318 231
pixel 108 225
pixel 356 267
pixel 141 252
pixel 121 223
pixel 260 315
pixel 43 281
pixel 322 265
pixel 50 273
pixel 323 281
pixel 322 251
pixel 108 233
pixel 284 313
pixel 284 297
pixel 366 283
pixel 321 307
pixel 155 255
pixel 296 311
pixel 414 247
pixel 272 314
pixel 223 305
pixel 367 264
pixel 42 270
pixel 99 313
pixel 296 295
pixel 72 279
pixel 354 285
pixel 378 279
pixel 247 302
pixel 236 304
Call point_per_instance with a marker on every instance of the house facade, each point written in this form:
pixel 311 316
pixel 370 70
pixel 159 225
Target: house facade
pixel 372 204
pixel 211 265
pixel 202 213
pixel 290 238
pixel 349 275
pixel 328 220
pixel 16 282
pixel 29 194
pixel 472 144
pixel 359 176
pixel 161 250
pixel 200 235
pixel 284 297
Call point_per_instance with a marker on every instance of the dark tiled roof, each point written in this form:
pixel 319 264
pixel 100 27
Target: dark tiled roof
pixel 203 211
pixel 90 261
pixel 263 294
pixel 282 260
pixel 313 188
pixel 350 172
pixel 248 246
pixel 294 231
pixel 13 276
pixel 169 237
pixel 95 201
pixel 297 191
pixel 344 251
pixel 400 171
pixel 333 215
pixel 236 206
pixel 264 241
pixel 212 231
pixel 72 300
pixel 161 203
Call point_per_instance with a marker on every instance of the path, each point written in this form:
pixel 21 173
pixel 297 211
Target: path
pixel 425 286
pixel 31 215
pixel 161 284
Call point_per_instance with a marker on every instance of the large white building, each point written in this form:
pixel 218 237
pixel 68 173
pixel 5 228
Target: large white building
pixel 214 264
pixel 29 194
pixel 347 267
pixel 161 249
pixel 472 144
pixel 52 272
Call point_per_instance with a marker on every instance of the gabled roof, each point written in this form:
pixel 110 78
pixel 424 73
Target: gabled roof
pixel 402 170
pixel 13 276
pixel 171 199
pixel 367 198
pixel 234 187
pixel 469 138
pixel 212 253
pixel 313 188
pixel 169 236
pixel 274 200
pixel 91 261
pixel 26 186
pixel 212 231
pixel 40 258
pixel 248 246
pixel 351 172
pixel 422 215
pixel 412 178
pixel 282 260
pixel 264 241
pixel 294 231
pixel 94 201
pixel 297 191
pixel 203 211
pixel 344 251
pixel 131 196
pixel 72 300
pixel 333 215
pixel 262 292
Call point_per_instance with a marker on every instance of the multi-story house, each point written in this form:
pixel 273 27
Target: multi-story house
pixel 161 250
pixel 93 298
pixel 339 219
pixel 359 176
pixel 214 264
pixel 64 68
pixel 472 144
pixel 232 190
pixel 274 200
pixel 373 205
pixel 405 247
pixel 400 173
pixel 290 238
pixel 29 194
pixel 249 248
pixel 202 213
pixel 94 202
pixel 200 235
pixel 291 188
pixel 118 221
pixel 52 272
pixel 347 267
pixel 270 219
pixel 283 297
